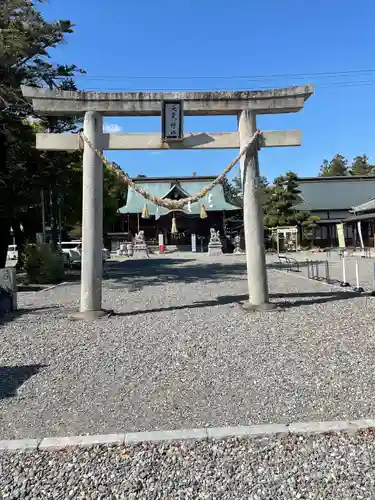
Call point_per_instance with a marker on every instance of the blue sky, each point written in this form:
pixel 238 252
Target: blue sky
pixel 195 44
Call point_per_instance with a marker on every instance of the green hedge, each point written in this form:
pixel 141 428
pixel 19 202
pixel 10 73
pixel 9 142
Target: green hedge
pixel 42 265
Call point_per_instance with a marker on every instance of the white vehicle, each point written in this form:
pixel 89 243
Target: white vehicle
pixel 74 249
pixel 105 253
pixel 12 253
pixel 72 253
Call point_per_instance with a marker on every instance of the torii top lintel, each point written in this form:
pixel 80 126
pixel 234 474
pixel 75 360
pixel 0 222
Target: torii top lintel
pixel 59 103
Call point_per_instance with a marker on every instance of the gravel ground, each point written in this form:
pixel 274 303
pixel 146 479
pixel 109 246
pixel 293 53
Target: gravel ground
pixel 334 466
pixel 181 353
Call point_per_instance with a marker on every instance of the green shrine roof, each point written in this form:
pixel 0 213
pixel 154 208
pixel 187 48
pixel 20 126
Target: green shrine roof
pixel 182 187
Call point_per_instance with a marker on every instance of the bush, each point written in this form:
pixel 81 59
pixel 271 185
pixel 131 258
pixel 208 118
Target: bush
pixel 42 265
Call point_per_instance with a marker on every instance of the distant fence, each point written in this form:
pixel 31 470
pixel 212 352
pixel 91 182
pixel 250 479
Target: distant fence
pixel 289 263
pixel 8 290
pixel 363 253
pixel 320 271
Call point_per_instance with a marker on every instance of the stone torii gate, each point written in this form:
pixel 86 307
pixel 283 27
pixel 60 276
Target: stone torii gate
pixel 246 105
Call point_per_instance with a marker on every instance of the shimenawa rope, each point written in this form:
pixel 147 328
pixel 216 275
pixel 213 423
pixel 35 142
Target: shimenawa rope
pixel 176 204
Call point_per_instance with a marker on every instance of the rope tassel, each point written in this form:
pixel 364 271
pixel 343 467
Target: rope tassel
pixel 145 213
pixel 203 212
pixel 254 144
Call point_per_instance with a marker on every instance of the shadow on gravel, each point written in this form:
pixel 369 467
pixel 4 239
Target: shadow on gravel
pixel 283 265
pixel 308 298
pixel 7 318
pixel 300 299
pixel 12 377
pixel 136 274
pixel 30 288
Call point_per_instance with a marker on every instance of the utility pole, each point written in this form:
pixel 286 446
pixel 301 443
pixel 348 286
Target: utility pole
pixel 43 214
pixel 60 218
pixel 4 218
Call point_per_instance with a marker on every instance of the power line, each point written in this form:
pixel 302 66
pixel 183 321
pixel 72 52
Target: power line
pixel 348 84
pixel 233 77
pixel 361 83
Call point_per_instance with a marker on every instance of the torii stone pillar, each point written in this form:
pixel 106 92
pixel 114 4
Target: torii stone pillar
pixel 253 217
pixel 244 104
pixel 92 219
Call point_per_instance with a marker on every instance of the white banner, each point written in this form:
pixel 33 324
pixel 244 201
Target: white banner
pixel 359 227
pixel 193 242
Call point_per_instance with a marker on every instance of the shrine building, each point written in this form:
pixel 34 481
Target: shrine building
pixel 177 226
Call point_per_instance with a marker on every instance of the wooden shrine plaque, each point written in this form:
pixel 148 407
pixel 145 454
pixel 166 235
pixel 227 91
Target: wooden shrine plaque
pixel 172 117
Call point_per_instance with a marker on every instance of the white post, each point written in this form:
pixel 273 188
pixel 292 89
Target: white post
pixel 253 218
pixel 161 242
pixel 193 242
pixel 357 273
pixel 359 228
pixel 358 288
pixel 277 242
pixel 92 219
pixel 344 282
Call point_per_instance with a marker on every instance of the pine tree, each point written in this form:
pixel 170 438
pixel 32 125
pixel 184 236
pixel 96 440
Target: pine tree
pixel 361 166
pixel 338 166
pixel 280 200
pixel 233 194
pixel 25 38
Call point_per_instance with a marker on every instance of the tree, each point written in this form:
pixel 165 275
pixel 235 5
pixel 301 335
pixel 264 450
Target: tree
pixel 309 227
pixel 263 182
pixel 23 164
pixel 25 38
pixel 114 195
pixel 237 184
pixel 280 199
pixel 361 166
pixel 338 166
pixel 233 190
pixel 55 175
pixel 233 194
